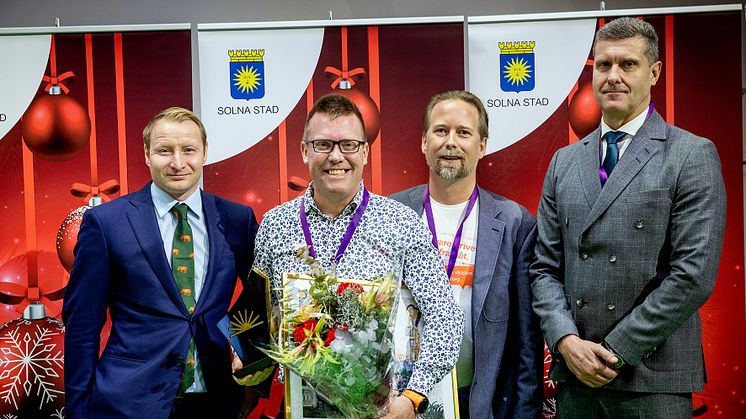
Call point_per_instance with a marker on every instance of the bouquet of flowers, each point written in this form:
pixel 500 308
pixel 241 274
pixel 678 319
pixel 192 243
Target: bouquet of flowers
pixel 336 335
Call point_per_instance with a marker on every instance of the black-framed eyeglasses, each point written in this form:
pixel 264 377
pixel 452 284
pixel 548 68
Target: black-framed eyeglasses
pixel 326 146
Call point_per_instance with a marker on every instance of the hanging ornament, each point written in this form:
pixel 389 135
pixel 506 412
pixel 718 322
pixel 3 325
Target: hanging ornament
pixel 584 112
pixel 367 108
pixel 55 127
pixel 67 234
pixel 32 365
pixel 344 80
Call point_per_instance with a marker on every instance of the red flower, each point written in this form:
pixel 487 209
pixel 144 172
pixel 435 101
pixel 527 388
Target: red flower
pixel 348 285
pixel 332 334
pixel 299 333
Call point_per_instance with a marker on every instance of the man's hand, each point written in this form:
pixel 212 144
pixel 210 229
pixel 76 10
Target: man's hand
pixel 588 360
pixel 400 408
pixel 251 379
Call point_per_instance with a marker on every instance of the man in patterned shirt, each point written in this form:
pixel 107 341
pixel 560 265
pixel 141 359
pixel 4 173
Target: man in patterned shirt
pixel 388 237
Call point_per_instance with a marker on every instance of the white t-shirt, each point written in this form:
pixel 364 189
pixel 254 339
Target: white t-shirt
pixel 447 220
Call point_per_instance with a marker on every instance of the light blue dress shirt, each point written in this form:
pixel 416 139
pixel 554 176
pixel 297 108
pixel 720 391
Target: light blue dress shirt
pixel 167 224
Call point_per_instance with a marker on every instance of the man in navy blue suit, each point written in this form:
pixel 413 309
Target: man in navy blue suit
pixel 164 262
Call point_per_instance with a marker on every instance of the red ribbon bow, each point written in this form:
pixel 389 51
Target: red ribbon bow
pixel 87 191
pixel 57 81
pixel 14 294
pixel 344 74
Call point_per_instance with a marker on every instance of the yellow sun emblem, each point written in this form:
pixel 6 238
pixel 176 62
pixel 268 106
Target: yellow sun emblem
pixel 517 71
pixel 247 79
pixel 243 321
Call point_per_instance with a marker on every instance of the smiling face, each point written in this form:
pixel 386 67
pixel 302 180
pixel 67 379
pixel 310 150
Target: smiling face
pixel 175 156
pixel 622 78
pixel 336 176
pixel 451 144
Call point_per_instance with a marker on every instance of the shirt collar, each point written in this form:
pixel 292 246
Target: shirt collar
pixel 349 209
pixel 630 127
pixel 163 202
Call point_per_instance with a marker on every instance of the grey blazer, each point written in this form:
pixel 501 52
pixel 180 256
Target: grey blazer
pixel 508 348
pixel 631 263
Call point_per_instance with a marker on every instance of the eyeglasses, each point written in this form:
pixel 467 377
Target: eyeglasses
pixel 326 146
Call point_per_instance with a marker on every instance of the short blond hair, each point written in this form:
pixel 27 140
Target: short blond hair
pixel 174 114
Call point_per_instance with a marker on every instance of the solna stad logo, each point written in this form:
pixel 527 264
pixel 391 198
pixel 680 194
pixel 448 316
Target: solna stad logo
pixel 247 73
pixel 517 71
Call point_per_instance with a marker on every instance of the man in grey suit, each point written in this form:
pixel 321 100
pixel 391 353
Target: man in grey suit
pixel 487 244
pixel 630 233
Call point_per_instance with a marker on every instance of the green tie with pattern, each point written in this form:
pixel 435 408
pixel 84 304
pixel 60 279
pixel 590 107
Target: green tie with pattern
pixel 182 266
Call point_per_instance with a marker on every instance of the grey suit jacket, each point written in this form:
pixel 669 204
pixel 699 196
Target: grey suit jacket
pixel 631 263
pixel 508 348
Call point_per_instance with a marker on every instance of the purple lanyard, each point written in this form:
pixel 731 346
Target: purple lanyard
pixel 348 234
pixel 601 171
pixel 457 238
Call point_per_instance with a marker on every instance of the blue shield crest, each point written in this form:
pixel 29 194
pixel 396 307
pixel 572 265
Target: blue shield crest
pixel 517 69
pixel 247 74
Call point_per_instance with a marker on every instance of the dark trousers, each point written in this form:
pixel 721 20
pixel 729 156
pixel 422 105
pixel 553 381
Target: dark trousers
pixel 463 402
pixel 191 406
pixel 583 402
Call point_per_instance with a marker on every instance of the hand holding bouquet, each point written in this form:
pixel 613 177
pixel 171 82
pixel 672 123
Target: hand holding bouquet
pixel 336 335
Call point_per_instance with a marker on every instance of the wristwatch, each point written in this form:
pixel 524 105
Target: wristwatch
pixel 419 401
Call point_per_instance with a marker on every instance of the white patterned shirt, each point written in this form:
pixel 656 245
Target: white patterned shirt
pixel 389 238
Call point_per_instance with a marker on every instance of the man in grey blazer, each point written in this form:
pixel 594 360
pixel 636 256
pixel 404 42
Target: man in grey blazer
pixel 487 244
pixel 630 233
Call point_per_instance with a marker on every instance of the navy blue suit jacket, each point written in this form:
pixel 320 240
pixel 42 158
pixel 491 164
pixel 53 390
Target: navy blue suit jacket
pixel 508 347
pixel 120 265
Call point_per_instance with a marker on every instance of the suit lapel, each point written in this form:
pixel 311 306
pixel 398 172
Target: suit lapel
pixel 645 144
pixel 143 221
pixel 489 239
pixel 589 163
pixel 415 199
pixel 214 233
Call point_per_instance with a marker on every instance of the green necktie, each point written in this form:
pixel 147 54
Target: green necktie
pixel 182 266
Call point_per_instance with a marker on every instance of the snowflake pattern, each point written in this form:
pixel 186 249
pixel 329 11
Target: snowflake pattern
pixel 31 362
pixel 549 409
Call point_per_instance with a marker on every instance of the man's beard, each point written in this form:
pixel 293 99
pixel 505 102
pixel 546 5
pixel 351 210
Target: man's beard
pixel 449 170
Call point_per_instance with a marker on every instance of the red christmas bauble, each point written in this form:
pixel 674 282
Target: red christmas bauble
pixel 67 236
pixel 55 127
pixel 32 368
pixel 368 108
pixel 584 112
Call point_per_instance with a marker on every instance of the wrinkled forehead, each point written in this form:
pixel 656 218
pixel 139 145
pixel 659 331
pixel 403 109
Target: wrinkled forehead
pixel 633 46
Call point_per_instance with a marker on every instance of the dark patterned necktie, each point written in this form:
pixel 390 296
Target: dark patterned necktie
pixel 612 150
pixel 182 266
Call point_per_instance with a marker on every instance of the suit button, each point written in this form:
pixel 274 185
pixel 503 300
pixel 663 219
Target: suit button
pixel 580 302
pixel 584 256
pixel 612 258
pixel 611 306
pixel 567 221
pixel 639 224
